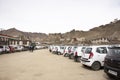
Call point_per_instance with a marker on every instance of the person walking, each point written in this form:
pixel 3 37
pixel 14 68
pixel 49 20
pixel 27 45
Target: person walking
pixel 32 47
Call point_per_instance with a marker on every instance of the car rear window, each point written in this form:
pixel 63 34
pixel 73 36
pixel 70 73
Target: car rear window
pixel 69 48
pixel 83 48
pixel 101 50
pixel 74 48
pixel 114 52
pixel 88 50
pixel 61 47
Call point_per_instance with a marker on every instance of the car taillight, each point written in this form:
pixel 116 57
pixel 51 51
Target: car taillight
pixel 69 51
pixel 91 55
pixel 75 53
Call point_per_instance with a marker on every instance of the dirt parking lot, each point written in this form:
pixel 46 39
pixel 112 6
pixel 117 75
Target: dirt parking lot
pixel 43 65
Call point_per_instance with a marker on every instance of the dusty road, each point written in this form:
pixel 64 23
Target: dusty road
pixel 42 65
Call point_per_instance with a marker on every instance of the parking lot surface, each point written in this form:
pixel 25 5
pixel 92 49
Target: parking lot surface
pixel 43 65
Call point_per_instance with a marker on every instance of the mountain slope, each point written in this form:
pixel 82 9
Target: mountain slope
pixel 111 31
pixel 25 35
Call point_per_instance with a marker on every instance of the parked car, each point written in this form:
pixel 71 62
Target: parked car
pixel 38 47
pixel 67 50
pixel 12 49
pixel 50 48
pixel 94 56
pixel 62 49
pixel 5 48
pixel 71 54
pixel 18 48
pixel 112 62
pixel 57 50
pixel 1 50
pixel 54 49
pixel 78 53
pixel 25 48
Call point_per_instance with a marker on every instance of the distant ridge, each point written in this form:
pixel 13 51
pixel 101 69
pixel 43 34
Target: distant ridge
pixel 25 35
pixel 111 31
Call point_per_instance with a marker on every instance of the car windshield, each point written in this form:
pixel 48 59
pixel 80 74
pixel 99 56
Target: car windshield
pixel 114 51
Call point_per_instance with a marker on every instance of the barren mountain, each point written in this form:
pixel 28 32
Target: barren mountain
pixel 111 31
pixel 25 35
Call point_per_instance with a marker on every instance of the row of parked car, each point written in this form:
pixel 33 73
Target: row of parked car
pixel 94 56
pixel 12 48
pixel 16 48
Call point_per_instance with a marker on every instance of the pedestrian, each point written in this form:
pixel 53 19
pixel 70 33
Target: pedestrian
pixel 32 48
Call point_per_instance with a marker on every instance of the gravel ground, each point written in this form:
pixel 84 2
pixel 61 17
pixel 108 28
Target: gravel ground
pixel 43 65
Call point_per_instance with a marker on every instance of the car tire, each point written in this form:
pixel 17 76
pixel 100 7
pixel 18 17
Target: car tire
pixel 75 59
pixel 59 53
pixel 65 55
pixel 110 76
pixel 71 56
pixel 96 66
pixel 50 50
pixel 78 59
pixel 84 65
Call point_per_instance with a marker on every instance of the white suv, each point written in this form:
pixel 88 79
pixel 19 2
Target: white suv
pixel 94 56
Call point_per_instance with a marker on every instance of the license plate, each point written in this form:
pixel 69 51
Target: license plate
pixel 112 72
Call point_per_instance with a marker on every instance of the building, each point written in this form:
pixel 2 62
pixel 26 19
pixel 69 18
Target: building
pixel 100 41
pixel 10 40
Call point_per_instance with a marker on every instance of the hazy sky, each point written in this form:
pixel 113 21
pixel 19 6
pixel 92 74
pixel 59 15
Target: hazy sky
pixel 54 16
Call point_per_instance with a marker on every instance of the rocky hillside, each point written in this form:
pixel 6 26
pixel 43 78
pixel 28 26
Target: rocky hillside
pixel 25 35
pixel 111 31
